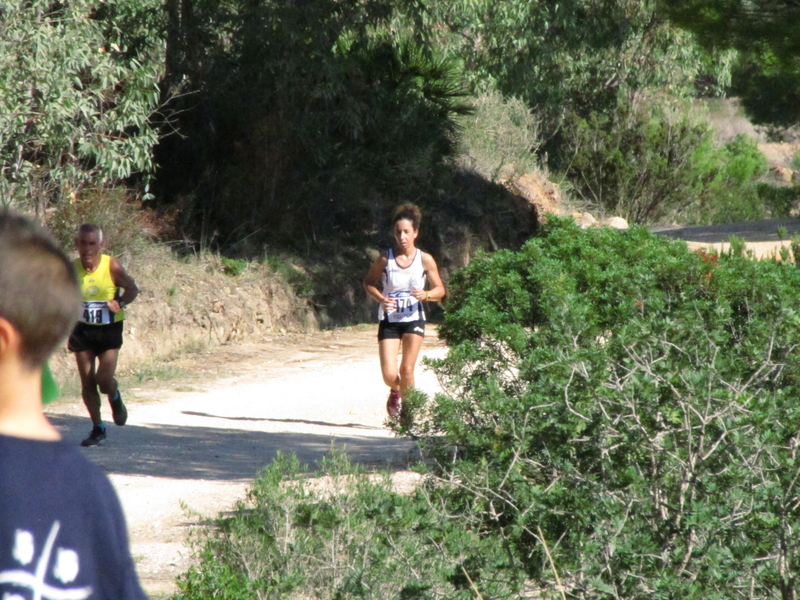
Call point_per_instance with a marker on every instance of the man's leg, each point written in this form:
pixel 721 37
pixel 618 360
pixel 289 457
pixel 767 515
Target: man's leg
pixel 89 393
pixel 107 382
pixel 106 372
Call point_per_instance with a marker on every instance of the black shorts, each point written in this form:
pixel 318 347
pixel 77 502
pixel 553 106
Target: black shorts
pixel 395 331
pixel 96 338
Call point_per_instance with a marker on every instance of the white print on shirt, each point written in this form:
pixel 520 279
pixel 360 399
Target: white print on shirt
pixel 65 569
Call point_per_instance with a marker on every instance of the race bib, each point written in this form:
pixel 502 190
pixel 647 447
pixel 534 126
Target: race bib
pixel 407 307
pixel 96 313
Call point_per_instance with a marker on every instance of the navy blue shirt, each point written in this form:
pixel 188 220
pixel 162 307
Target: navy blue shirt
pixel 62 531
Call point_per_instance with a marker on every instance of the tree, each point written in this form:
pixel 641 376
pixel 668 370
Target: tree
pixel 578 56
pixel 78 90
pixel 767 35
pixel 308 118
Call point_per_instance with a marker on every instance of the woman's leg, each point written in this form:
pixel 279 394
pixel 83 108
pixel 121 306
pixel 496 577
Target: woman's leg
pixel 412 343
pixel 388 349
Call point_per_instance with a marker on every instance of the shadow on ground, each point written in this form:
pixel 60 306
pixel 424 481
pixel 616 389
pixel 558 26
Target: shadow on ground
pixel 217 454
pixel 265 420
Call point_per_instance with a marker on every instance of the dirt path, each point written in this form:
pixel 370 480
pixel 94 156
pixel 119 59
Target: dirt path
pixel 196 444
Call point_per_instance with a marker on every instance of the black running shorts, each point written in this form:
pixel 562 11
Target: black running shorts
pixel 395 331
pixel 96 338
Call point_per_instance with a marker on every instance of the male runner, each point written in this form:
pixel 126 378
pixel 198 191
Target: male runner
pixel 62 531
pixel 98 335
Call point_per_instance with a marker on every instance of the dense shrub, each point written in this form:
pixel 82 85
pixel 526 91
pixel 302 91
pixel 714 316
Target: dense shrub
pixel 729 190
pixel 650 165
pixel 619 421
pixel 639 164
pixel 634 404
pixel 342 536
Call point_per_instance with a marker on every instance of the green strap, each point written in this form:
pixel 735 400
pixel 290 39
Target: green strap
pixel 49 387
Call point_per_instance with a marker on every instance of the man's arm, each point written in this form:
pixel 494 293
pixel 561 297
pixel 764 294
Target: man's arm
pixel 122 280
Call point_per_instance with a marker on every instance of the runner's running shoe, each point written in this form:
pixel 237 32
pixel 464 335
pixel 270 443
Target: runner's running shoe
pixel 119 411
pixel 97 435
pixel 393 403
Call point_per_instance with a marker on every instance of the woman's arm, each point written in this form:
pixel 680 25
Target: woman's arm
pixel 372 280
pixel 437 290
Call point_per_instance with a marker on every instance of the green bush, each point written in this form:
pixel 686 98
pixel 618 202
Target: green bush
pixel 780 201
pixel 619 421
pixel 78 96
pixel 232 266
pixel 632 403
pixel 343 536
pixel 730 191
pixel 652 165
pixel 637 164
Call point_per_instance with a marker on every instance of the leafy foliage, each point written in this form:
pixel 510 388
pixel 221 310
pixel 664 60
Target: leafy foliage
pixel 312 117
pixel 654 164
pixel 729 189
pixel 633 403
pixel 637 164
pixel 343 536
pixel 78 88
pixel 568 57
pixel 769 92
pixel 767 74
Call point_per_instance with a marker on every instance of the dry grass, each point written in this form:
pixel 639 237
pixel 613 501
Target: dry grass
pixel 189 304
pixel 728 120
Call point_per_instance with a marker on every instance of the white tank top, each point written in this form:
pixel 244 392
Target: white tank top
pixel 397 284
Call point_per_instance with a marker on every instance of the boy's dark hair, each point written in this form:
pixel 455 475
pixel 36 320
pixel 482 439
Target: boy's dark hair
pixel 39 293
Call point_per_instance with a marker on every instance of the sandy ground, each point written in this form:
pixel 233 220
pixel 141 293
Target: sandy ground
pixel 191 447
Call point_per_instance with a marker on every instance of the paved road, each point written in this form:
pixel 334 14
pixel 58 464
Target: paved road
pixel 752 231
pixel 760 236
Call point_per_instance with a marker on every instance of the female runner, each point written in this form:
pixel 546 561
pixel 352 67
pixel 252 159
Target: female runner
pixel 402 272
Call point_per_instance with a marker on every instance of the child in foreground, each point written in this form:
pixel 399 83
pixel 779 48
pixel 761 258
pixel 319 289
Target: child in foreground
pixel 62 532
